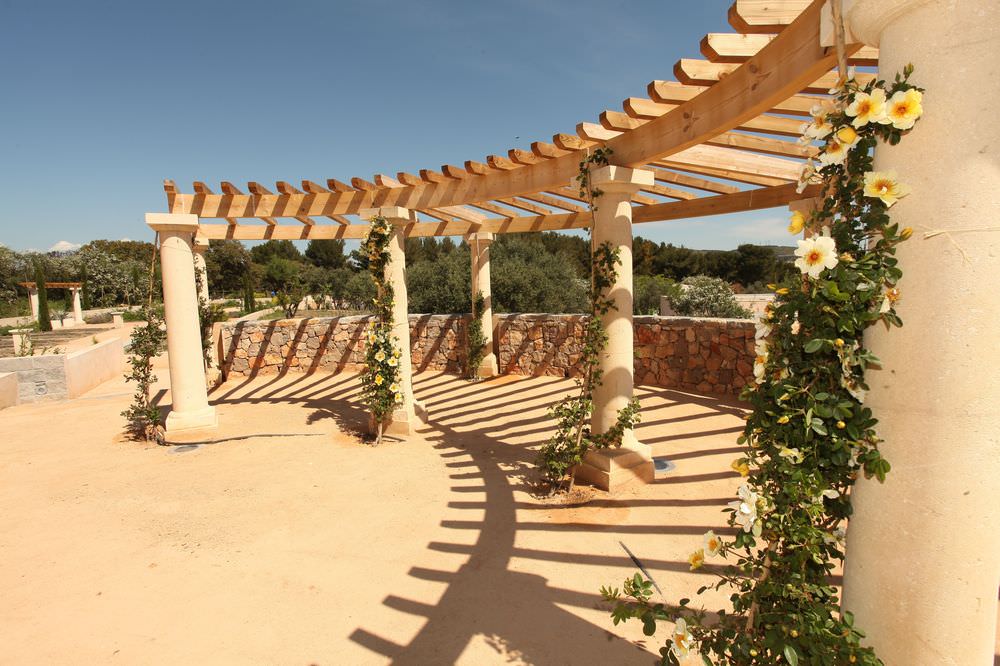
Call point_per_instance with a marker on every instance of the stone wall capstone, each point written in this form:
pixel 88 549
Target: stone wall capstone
pixel 688 354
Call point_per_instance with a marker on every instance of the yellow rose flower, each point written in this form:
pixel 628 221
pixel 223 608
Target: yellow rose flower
pixel 797 223
pixel 380 356
pixel 378 380
pixel 783 420
pixel 740 466
pixel 713 544
pixel 867 108
pixel 847 136
pixel 904 108
pixel 697 559
pixel 885 185
pixel 834 152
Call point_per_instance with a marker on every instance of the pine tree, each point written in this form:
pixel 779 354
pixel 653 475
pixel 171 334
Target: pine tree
pixel 44 322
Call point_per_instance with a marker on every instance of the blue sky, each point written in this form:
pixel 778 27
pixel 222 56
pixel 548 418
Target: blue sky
pixel 102 100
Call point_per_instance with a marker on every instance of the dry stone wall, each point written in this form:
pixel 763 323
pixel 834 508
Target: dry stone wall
pixel 698 355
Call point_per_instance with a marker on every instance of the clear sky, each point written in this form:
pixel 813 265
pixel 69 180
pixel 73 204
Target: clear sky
pixel 102 100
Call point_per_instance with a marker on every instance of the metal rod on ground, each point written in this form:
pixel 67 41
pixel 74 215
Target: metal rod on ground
pixel 637 563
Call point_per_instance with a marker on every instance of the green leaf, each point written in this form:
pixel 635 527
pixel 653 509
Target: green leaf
pixel 792 655
pixel 813 346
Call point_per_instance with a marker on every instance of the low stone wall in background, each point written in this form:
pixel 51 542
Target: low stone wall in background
pixel 334 344
pixel 698 355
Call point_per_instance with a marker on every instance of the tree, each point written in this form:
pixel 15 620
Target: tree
pixel 648 289
pixel 704 296
pixel 249 301
pixel 227 263
pixel 526 278
pixel 440 286
pixel 283 277
pixel 44 323
pixel 755 263
pixel 84 289
pixel 283 249
pixel 326 253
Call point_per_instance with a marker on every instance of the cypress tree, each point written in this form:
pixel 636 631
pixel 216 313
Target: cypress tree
pixel 248 297
pixel 84 289
pixel 44 322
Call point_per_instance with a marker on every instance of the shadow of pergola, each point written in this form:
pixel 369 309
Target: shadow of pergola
pixel 486 434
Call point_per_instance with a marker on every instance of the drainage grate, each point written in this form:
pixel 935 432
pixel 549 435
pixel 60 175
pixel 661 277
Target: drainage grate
pixel 662 465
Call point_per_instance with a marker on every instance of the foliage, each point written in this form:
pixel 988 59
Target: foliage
pixel 747 264
pixel 527 278
pixel 140 315
pixel 228 264
pixel 573 436
pixel 381 390
pixel 441 285
pixel 147 340
pixel 281 249
pixel 208 315
pixel 703 296
pixel 84 289
pixel 249 300
pixel 44 322
pixel 476 341
pixel 809 435
pixel 326 253
pixel 283 276
pixel 647 291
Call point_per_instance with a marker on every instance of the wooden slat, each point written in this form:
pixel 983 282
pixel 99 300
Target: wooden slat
pixel 728 174
pixel 315 188
pixel 666 176
pixel 454 172
pixel 702 72
pixel 524 205
pixel 735 48
pixel 762 144
pixel 287 188
pixel 500 163
pixel 493 208
pixel 337 186
pixel 477 168
pixel 362 184
pixel 547 150
pixel 672 92
pixel 524 157
pixel 432 176
pixel 554 202
pixel 257 190
pixel 752 16
pixel 409 179
pixel 613 121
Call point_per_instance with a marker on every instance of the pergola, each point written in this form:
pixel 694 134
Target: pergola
pixel 74 288
pixel 720 138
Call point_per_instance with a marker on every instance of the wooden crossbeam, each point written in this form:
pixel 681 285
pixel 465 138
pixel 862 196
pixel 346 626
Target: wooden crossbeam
pixel 734 48
pixel 768 197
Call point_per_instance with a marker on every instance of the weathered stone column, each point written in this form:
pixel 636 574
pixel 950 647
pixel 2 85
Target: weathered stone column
pixel 613 468
pixel 410 414
pixel 33 301
pixel 77 307
pixel 190 409
pixel 923 550
pixel 199 247
pixel 479 248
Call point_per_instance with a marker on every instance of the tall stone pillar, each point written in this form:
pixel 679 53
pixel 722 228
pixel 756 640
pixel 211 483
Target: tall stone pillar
pixel 33 301
pixel 190 409
pixel 923 550
pixel 614 468
pixel 479 248
pixel 410 414
pixel 199 247
pixel 77 307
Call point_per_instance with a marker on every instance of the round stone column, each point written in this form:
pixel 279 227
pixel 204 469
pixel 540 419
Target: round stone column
pixel 77 307
pixel 410 414
pixel 479 248
pixel 199 247
pixel 614 468
pixel 923 549
pixel 189 397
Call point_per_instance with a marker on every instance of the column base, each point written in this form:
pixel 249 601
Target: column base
pixel 404 421
pixel 184 424
pixel 488 367
pixel 615 469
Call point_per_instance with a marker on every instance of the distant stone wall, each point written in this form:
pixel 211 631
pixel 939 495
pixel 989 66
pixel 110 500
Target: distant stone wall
pixel 698 355
pixel 333 344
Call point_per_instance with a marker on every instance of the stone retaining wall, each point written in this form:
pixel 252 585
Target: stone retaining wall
pixel 699 355
pixel 249 348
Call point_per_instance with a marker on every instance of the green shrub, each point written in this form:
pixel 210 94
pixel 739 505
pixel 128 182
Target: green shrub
pixel 703 296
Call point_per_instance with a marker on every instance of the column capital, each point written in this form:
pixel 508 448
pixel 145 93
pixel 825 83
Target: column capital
pixel 612 178
pixel 394 214
pixel 864 20
pixel 183 222
pixel 481 236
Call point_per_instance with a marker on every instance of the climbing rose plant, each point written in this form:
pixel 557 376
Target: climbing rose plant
pixel 381 391
pixel 573 436
pixel 809 435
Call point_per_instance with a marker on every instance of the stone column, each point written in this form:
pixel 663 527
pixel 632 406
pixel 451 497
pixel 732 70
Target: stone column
pixel 190 409
pixel 409 415
pixel 33 302
pixel 923 550
pixel 77 307
pixel 199 246
pixel 479 248
pixel 612 469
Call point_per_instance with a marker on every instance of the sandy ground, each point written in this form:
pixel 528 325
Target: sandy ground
pixel 289 541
